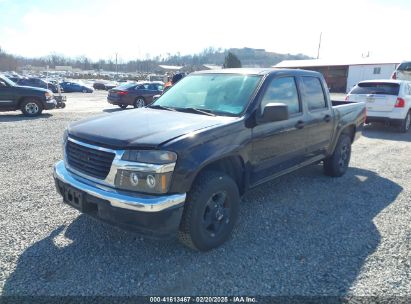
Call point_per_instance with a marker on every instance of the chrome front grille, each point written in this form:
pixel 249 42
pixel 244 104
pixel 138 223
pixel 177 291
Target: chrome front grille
pixel 92 162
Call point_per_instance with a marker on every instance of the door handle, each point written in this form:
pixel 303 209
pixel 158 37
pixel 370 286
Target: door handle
pixel 327 118
pixel 299 124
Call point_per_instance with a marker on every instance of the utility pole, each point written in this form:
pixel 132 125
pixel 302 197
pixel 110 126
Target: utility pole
pixel 319 46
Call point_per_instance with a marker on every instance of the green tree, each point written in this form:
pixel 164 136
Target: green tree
pixel 231 61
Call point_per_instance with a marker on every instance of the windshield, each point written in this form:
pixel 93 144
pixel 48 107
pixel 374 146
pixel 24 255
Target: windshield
pixel 376 88
pixel 8 81
pixel 220 94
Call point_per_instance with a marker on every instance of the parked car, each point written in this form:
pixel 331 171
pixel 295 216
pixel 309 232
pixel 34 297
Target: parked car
pixel 69 87
pixel 134 94
pixel 180 165
pixel 387 101
pixel 38 83
pixel 403 71
pixel 30 100
pixel 99 86
pixel 104 85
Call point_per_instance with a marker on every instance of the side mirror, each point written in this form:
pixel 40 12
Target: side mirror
pixel 274 112
pixel 3 84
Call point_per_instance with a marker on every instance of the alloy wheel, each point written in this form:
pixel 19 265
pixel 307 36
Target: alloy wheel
pixel 31 108
pixel 216 214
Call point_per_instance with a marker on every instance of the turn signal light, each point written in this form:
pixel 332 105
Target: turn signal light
pixel 400 103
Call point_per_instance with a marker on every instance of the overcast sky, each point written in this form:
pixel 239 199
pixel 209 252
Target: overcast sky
pixel 137 29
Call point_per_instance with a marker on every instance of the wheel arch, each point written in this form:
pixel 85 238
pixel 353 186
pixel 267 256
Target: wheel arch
pixel 347 130
pixel 24 98
pixel 232 165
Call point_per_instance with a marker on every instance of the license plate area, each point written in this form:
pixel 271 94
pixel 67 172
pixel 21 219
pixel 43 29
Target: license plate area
pixel 73 197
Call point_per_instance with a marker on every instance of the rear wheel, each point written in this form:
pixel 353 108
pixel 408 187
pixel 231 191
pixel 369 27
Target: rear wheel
pixel 337 164
pixel 139 102
pixel 405 124
pixel 31 107
pixel 210 211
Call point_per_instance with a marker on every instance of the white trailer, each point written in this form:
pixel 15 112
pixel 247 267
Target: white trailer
pixel 360 72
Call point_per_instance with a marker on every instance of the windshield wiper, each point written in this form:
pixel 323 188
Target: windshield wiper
pixel 196 110
pixel 162 108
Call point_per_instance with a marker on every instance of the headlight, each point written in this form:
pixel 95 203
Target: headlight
pixel 148 171
pixel 148 182
pixel 150 156
pixel 48 94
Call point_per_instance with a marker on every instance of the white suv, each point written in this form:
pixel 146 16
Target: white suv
pixel 387 101
pixel 403 71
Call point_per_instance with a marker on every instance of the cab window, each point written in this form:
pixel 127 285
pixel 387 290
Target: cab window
pixel 282 90
pixel 314 94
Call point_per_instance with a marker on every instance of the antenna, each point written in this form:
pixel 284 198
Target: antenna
pixel 319 46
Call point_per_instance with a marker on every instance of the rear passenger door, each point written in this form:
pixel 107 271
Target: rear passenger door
pixel 278 146
pixel 319 124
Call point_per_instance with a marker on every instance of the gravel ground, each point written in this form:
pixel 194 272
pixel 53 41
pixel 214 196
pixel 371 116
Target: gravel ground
pixel 301 234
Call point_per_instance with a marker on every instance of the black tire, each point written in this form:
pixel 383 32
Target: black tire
pixel 337 164
pixel 31 107
pixel 139 102
pixel 123 106
pixel 405 124
pixel 205 223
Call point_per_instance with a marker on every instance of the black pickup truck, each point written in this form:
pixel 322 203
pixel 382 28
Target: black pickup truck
pixel 180 165
pixel 30 100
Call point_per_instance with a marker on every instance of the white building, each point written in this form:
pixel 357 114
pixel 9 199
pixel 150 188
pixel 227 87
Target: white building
pixel 342 75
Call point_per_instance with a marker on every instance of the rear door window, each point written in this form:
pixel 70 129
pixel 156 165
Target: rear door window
pixel 377 88
pixel 314 94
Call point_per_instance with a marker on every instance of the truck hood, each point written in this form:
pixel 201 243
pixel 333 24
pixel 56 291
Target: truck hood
pixel 31 89
pixel 141 127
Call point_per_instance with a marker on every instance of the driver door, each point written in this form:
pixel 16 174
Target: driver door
pixel 280 145
pixel 7 98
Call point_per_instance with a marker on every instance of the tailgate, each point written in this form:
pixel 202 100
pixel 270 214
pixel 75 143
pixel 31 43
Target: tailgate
pixel 377 102
pixel 379 96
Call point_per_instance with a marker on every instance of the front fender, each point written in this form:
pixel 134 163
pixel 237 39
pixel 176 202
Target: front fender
pixel 195 154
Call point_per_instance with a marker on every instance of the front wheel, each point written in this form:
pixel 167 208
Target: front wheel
pixel 31 107
pixel 210 211
pixel 405 124
pixel 337 164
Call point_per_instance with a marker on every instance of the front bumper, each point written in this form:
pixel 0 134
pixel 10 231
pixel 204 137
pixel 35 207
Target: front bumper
pixel 50 104
pixel 155 216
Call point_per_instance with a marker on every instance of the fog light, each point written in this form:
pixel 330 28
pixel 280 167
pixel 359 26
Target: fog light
pixel 151 181
pixel 134 179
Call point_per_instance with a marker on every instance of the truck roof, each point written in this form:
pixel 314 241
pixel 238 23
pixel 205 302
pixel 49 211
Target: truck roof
pixel 257 71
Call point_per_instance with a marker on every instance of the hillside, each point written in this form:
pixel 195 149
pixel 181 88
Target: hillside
pixel 249 58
